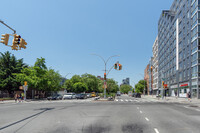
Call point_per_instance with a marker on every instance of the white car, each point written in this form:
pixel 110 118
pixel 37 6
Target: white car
pixel 69 96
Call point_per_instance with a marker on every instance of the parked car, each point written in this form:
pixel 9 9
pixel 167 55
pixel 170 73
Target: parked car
pixel 81 96
pixel 118 93
pixel 69 96
pixel 136 95
pixel 89 95
pixel 55 97
pixel 93 94
pixel 133 95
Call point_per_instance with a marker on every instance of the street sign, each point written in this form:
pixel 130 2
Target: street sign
pixel 25 83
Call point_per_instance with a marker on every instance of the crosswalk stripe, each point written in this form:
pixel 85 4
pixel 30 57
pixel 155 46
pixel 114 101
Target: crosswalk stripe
pixel 122 100
pixel 116 100
pixel 126 100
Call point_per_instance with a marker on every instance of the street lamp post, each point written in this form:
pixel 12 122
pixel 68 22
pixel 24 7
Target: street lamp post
pixel 105 63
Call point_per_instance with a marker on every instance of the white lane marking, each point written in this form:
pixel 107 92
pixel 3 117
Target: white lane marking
pixel 140 111
pixel 122 100
pixel 186 107
pixel 126 100
pixel 116 100
pixel 156 130
pixel 146 119
pixel 131 100
pixel 197 110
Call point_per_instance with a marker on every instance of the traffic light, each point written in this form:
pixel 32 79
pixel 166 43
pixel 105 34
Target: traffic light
pixel 104 76
pixel 16 42
pixel 22 43
pixel 5 38
pixel 116 66
pixel 120 67
pixel 151 68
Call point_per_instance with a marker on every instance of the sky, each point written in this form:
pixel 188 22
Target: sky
pixel 68 32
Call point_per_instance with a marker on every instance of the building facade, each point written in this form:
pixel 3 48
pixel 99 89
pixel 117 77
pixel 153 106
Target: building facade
pixel 146 78
pixel 126 81
pixel 155 66
pixel 178 45
pixel 150 90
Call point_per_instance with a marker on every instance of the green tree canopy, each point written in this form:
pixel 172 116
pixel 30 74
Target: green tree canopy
pixel 112 86
pixel 93 84
pixel 40 78
pixel 80 87
pixel 40 62
pixel 125 88
pixel 91 81
pixel 139 87
pixel 8 66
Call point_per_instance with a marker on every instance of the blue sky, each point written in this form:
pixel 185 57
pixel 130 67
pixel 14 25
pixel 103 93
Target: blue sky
pixel 67 32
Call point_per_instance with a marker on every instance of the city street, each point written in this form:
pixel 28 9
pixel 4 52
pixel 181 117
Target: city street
pixel 124 115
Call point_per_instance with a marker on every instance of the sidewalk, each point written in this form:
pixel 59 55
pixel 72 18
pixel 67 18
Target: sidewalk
pixel 174 99
pixel 13 101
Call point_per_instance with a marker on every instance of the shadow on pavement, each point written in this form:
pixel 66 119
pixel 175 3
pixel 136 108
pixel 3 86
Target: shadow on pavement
pixel 43 110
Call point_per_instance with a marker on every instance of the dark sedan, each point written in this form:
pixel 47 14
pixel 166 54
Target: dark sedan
pixel 81 96
pixel 55 97
pixel 136 95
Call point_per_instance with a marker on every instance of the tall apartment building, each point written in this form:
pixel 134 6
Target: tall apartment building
pixel 150 90
pixel 126 81
pixel 155 66
pixel 178 45
pixel 146 78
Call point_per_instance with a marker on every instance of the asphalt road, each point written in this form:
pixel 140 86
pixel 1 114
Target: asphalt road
pixel 124 115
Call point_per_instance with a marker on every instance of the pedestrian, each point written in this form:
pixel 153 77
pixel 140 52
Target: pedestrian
pixel 15 97
pixel 20 97
pixel 165 94
pixel 22 94
pixel 189 96
pixel 175 93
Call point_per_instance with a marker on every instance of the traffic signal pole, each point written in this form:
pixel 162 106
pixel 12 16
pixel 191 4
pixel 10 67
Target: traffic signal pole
pixel 8 26
pixel 105 74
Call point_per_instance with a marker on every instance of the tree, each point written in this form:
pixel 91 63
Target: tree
pixel 112 86
pixel 125 88
pixel 39 77
pixel 8 66
pixel 139 87
pixel 91 81
pixel 80 87
pixel 53 80
pixel 40 62
pixel 76 78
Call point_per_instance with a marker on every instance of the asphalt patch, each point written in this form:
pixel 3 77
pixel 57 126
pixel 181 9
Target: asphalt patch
pixel 132 128
pixel 96 129
pixel 194 106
